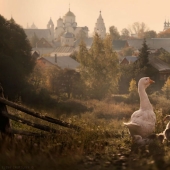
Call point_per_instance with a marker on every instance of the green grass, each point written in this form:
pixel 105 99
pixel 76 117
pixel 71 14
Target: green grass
pixel 104 143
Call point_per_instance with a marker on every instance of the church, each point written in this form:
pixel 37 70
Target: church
pixel 66 32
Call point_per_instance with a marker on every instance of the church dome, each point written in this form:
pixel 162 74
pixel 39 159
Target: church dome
pixel 69 13
pixel 60 19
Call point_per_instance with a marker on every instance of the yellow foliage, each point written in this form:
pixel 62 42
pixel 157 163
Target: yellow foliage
pixel 166 88
pixel 133 86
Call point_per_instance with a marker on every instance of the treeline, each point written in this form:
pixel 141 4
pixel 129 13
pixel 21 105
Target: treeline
pixel 137 30
pixel 100 75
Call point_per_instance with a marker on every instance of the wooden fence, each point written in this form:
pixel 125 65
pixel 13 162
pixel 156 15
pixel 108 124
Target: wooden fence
pixel 5 116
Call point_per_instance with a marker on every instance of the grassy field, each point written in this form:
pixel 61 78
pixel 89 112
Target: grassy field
pixel 104 143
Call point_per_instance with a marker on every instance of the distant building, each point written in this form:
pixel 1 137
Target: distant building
pixel 100 27
pixel 166 25
pixel 66 25
pixel 128 60
pixel 61 62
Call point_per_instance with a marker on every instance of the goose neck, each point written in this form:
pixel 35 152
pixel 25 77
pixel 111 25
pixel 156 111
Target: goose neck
pixel 144 100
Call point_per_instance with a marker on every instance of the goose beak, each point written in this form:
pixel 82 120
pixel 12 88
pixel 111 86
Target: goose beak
pixel 151 81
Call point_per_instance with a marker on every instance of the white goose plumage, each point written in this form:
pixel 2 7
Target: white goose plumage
pixel 143 120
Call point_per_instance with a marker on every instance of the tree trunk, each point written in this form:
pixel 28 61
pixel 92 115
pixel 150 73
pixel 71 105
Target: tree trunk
pixel 4 121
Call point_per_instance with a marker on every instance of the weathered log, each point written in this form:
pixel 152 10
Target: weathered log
pixel 4 121
pixel 26 133
pixel 39 115
pixel 29 123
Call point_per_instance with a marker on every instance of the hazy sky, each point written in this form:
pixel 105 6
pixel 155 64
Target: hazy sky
pixel 120 13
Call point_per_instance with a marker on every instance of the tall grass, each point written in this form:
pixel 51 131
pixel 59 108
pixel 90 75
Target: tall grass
pixel 104 143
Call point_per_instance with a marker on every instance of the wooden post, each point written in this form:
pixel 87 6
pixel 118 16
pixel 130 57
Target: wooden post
pixel 4 121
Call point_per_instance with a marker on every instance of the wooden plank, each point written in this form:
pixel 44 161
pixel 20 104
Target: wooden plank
pixel 29 123
pixel 26 133
pixel 39 115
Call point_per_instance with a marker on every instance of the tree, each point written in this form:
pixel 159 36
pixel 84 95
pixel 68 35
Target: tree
pixel 125 34
pixel 68 82
pixel 99 67
pixel 133 92
pixel 132 86
pixel 16 62
pixel 127 51
pixel 126 74
pixel 114 33
pixel 165 57
pixel 166 88
pixel 164 34
pixel 138 29
pixel 141 66
pixel 150 34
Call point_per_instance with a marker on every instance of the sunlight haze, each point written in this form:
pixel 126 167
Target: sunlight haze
pixel 120 13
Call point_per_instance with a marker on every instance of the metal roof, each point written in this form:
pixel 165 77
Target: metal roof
pixel 153 43
pixel 40 33
pixel 159 64
pixel 64 50
pixel 63 62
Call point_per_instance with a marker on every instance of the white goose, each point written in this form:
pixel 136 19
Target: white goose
pixel 143 120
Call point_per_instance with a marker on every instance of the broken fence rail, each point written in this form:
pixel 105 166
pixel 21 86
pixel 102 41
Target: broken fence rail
pixel 38 115
pixel 29 123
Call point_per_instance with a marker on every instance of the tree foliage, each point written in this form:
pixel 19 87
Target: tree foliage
pixel 165 57
pixel 16 62
pixel 138 29
pixel 141 66
pixel 132 86
pixel 150 34
pixel 133 92
pixel 125 34
pixel 166 88
pixel 66 83
pixel 127 51
pixel 114 33
pixel 126 74
pixel 164 34
pixel 99 66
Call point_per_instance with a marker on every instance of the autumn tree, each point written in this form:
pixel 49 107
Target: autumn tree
pixel 126 74
pixel 132 86
pixel 166 88
pixel 125 34
pixel 138 29
pixel 150 34
pixel 133 92
pixel 38 77
pixel 114 33
pixel 65 83
pixel 127 51
pixel 99 66
pixel 164 34
pixel 165 57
